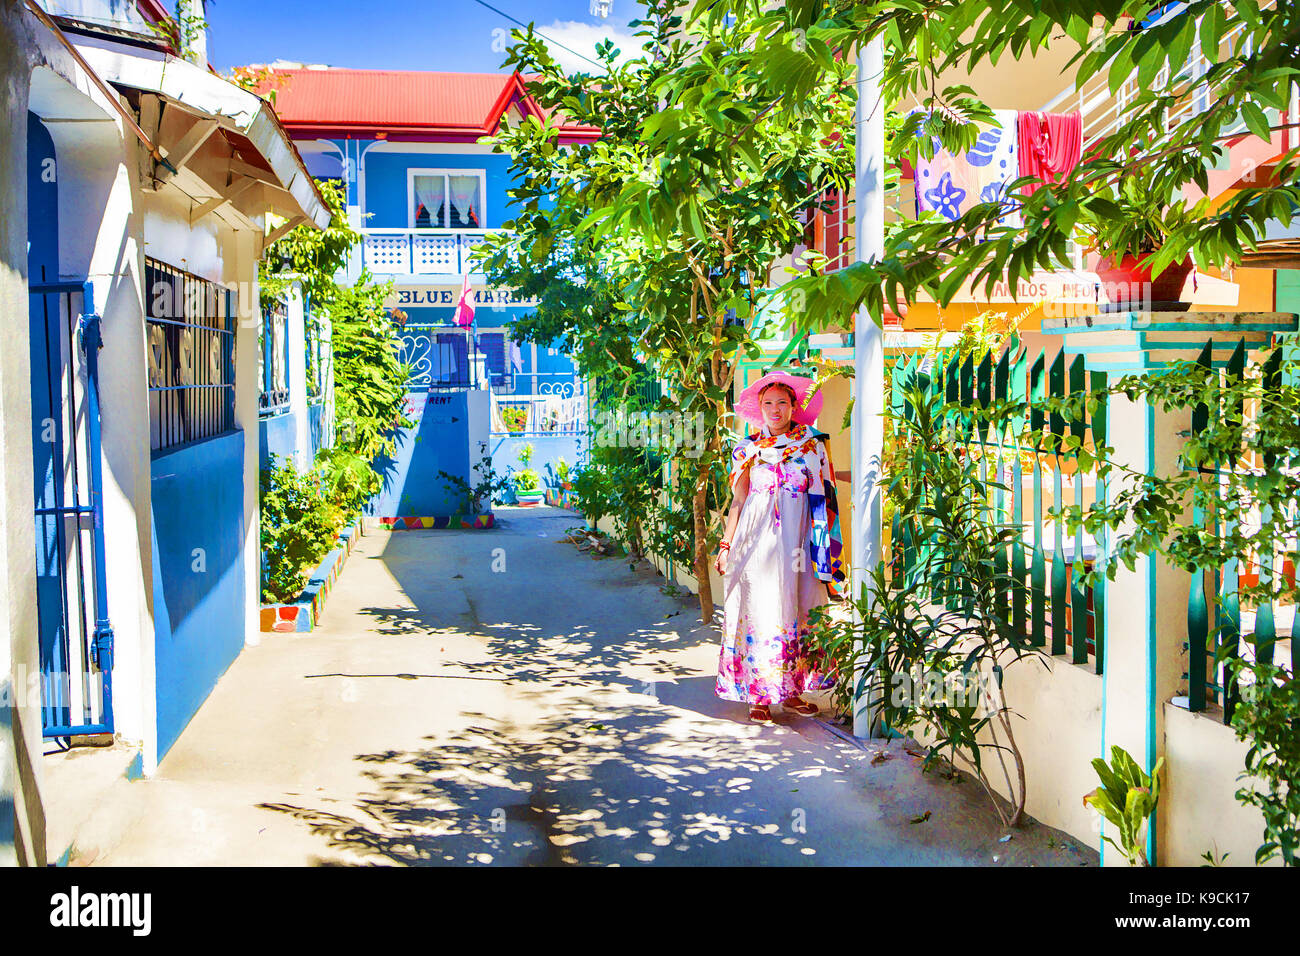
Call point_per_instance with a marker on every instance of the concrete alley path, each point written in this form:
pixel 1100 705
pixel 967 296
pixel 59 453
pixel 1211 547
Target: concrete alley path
pixel 497 697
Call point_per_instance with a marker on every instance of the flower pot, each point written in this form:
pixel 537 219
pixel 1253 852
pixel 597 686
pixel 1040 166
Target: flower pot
pixel 1130 282
pixel 529 499
pixel 566 485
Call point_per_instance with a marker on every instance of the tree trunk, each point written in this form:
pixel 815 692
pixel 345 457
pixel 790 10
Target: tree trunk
pixel 1020 796
pixel 698 505
pixel 636 552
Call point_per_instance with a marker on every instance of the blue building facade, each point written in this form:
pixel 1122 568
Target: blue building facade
pixel 423 191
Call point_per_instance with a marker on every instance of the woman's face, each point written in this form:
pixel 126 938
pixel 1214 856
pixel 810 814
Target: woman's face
pixel 777 407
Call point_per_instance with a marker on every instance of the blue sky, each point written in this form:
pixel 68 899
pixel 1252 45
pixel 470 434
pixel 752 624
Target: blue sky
pixel 450 35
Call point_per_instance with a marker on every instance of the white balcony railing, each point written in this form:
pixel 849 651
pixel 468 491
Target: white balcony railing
pixel 421 251
pixel 1103 112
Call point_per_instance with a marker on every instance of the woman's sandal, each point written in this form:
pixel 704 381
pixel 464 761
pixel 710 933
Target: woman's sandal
pixel 801 707
pixel 760 714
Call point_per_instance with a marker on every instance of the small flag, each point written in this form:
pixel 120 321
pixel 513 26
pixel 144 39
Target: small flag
pixel 465 306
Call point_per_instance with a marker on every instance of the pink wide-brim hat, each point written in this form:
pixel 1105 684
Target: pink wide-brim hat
pixel 807 408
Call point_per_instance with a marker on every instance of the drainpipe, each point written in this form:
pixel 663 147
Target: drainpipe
pixel 103 87
pixel 868 345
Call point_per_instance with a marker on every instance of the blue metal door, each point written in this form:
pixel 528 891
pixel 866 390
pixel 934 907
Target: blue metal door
pixel 76 639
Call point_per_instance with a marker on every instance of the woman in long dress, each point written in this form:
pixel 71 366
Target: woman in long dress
pixel 780 553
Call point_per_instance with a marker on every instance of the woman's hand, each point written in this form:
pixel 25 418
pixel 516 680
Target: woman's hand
pixel 720 562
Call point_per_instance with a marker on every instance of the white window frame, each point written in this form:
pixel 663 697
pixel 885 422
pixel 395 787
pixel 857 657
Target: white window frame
pixel 410 193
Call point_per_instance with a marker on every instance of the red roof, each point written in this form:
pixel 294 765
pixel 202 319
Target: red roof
pixel 403 105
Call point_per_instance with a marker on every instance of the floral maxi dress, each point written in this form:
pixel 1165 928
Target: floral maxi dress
pixel 784 551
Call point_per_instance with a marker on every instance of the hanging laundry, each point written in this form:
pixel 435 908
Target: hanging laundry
pixel 1051 145
pixel 497 422
pixel 516 357
pixel 951 185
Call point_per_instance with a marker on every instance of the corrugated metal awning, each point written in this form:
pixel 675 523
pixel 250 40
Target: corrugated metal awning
pixel 247 122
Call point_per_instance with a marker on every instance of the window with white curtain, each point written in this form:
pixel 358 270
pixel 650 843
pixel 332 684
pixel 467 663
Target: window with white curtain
pixel 447 199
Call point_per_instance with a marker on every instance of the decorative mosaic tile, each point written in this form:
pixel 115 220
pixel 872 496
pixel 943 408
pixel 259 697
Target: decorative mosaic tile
pixel 302 616
pixel 414 523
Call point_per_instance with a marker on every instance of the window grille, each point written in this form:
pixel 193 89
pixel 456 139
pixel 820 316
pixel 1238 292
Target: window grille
pixel 318 358
pixel 273 346
pixel 190 330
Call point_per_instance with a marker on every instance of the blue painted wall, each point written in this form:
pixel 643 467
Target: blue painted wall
pixel 386 190
pixel 198 497
pixel 317 432
pixel 42 204
pixel 547 451
pixel 439 440
pixel 276 435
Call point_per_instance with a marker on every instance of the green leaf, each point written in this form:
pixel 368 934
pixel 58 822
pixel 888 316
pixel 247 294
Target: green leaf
pixel 1255 120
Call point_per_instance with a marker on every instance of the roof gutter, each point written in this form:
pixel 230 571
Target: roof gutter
pixel 421 133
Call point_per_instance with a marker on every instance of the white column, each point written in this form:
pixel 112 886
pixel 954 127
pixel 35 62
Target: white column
pixel 240 257
pixel 868 344
pixel 296 362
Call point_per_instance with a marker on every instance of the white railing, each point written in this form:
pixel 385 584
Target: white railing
pixel 421 251
pixel 1103 112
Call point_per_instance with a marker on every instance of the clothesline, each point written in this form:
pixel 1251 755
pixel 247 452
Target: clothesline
pixel 542 412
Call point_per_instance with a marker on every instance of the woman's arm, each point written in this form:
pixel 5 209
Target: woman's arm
pixel 733 517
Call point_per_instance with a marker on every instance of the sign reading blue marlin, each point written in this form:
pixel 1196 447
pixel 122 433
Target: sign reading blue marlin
pixel 448 295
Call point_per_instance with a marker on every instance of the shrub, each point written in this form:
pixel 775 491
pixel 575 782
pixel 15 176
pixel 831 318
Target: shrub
pixel 1268 718
pixel 300 522
pixel 1126 798
pixel 484 492
pixel 932 644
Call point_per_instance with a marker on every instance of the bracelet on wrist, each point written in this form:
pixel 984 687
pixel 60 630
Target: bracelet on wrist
pixel 724 545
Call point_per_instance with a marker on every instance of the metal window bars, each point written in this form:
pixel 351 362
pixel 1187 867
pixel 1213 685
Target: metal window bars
pixel 190 328
pixel 273 351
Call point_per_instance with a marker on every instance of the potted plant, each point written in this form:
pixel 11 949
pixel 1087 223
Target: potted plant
pixel 477 499
pixel 527 487
pixel 1136 222
pixel 562 472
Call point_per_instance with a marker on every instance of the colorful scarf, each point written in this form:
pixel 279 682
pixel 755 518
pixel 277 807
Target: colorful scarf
pixel 825 545
pixel 951 185
pixel 1050 146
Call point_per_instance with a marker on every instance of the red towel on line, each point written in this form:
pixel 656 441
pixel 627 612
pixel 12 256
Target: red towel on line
pixel 1050 146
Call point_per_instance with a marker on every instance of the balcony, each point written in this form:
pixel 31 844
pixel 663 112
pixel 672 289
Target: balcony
pixel 429 252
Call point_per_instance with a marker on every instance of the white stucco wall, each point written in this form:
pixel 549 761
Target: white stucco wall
pixel 1203 760
pixel 99 240
pixel 240 263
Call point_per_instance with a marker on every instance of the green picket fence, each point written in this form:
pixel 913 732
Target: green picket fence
pixel 1052 606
